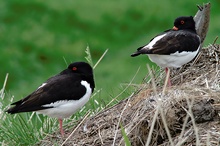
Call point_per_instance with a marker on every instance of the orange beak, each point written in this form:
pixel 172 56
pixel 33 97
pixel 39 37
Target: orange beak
pixel 175 28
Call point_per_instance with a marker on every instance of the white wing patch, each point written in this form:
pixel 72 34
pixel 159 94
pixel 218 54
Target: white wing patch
pixel 65 108
pixel 41 85
pixel 151 44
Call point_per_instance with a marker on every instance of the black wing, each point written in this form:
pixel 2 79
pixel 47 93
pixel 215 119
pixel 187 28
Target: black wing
pixel 173 41
pixel 62 87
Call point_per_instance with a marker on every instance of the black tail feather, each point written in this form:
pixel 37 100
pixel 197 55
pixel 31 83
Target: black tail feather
pixel 12 110
pixel 20 109
pixel 139 51
pixel 135 54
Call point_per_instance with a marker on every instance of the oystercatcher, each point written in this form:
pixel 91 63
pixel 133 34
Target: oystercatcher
pixel 61 95
pixel 173 47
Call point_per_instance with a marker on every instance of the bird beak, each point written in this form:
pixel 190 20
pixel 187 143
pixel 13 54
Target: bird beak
pixel 175 28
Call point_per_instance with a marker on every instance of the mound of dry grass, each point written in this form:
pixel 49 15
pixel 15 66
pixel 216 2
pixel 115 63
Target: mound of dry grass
pixel 185 114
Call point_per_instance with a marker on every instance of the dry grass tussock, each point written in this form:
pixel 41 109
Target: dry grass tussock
pixel 185 114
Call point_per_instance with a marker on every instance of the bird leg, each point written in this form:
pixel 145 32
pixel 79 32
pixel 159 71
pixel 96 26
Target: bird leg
pixel 169 82
pixel 61 127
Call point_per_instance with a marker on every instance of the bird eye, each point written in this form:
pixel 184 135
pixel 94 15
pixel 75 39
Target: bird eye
pixel 74 68
pixel 182 22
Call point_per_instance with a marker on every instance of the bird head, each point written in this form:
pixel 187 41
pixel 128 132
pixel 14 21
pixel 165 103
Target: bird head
pixel 81 68
pixel 184 22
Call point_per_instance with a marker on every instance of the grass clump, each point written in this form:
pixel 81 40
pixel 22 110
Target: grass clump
pixel 24 128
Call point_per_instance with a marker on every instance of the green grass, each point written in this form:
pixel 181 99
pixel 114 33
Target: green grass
pixel 125 136
pixel 37 35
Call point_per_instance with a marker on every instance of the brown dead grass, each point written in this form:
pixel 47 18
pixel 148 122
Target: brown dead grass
pixel 190 108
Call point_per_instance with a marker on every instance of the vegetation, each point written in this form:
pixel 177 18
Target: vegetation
pixel 39 38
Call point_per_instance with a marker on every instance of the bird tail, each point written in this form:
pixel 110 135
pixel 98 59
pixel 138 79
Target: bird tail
pixel 138 52
pixel 135 54
pixel 15 108
pixel 12 110
pixel 21 107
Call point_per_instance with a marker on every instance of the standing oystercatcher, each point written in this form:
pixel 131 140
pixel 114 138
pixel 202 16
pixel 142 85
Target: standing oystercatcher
pixel 173 47
pixel 61 95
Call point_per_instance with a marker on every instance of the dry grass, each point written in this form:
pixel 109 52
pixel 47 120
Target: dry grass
pixel 186 114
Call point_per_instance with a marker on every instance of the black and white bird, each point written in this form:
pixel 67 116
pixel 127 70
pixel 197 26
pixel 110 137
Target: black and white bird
pixel 173 47
pixel 61 95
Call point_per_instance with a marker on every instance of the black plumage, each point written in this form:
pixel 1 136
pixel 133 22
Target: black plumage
pixel 63 87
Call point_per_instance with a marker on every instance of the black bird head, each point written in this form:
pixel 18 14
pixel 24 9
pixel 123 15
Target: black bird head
pixel 184 22
pixel 81 68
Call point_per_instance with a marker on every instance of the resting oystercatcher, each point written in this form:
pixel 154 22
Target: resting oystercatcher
pixel 173 47
pixel 61 95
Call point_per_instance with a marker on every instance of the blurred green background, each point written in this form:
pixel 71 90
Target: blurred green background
pixel 36 36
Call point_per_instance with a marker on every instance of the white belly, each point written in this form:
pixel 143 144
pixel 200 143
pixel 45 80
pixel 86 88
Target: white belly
pixel 65 108
pixel 174 60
